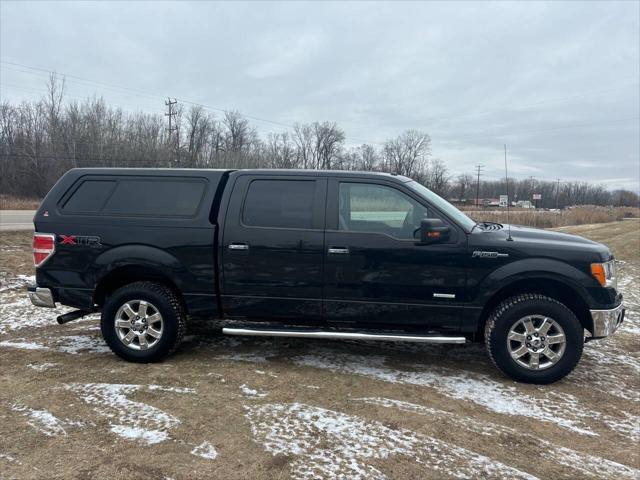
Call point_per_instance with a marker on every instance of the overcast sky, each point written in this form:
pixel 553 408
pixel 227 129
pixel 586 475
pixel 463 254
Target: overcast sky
pixel 557 82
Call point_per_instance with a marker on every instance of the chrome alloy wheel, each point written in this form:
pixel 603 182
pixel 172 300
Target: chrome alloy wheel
pixel 536 342
pixel 139 325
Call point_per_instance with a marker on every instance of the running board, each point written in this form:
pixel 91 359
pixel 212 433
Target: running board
pixel 332 335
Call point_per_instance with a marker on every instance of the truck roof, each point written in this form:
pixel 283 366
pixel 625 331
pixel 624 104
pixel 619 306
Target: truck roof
pixel 208 171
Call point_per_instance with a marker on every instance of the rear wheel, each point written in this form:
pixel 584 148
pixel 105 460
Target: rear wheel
pixel 143 322
pixel 534 338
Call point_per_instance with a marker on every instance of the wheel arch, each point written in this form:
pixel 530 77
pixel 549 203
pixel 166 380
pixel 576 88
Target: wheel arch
pixel 124 275
pixel 550 287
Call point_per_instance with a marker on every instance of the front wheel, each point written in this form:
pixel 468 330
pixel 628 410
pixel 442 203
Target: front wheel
pixel 534 338
pixel 143 322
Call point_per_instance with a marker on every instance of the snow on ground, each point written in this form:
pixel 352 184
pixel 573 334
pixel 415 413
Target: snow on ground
pixel 44 421
pixel 252 393
pixel 587 465
pixel 477 388
pixel 205 450
pixel 41 367
pixel 9 458
pixel 330 444
pixel 17 282
pixel 128 418
pixel 72 344
pixel 17 313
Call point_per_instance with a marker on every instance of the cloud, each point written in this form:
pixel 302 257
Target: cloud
pixel 558 82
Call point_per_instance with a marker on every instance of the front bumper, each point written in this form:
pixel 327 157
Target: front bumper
pixel 605 322
pixel 41 297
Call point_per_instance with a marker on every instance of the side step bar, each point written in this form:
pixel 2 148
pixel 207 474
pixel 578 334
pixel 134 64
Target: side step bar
pixel 333 335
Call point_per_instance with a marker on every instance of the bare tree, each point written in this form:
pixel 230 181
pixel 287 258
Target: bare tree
pixel 406 154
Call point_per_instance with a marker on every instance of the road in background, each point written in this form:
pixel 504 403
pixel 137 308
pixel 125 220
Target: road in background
pixel 16 219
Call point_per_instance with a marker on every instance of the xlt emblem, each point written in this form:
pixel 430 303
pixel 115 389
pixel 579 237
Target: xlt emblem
pixel 85 241
pixel 481 254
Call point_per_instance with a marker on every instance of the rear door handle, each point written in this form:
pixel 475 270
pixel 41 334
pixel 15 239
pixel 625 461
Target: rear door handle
pixel 238 246
pixel 338 251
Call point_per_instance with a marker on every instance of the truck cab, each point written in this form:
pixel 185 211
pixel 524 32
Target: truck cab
pixel 317 254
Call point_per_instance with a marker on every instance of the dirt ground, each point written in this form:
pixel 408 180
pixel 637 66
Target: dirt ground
pixel 251 408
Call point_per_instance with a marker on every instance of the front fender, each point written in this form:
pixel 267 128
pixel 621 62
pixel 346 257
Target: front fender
pixel 537 269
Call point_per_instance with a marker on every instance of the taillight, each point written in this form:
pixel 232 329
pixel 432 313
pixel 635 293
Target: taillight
pixel 44 244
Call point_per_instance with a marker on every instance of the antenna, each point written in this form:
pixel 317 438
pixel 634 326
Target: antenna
pixel 506 177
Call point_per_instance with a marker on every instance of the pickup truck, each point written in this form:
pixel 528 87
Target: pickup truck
pixel 314 254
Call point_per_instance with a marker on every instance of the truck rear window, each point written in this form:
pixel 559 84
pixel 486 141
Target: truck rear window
pixel 279 204
pixel 155 197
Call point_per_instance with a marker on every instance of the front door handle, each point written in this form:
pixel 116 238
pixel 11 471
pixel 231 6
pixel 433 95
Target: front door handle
pixel 238 246
pixel 338 251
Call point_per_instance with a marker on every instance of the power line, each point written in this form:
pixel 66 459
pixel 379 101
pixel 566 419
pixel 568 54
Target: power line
pixel 136 92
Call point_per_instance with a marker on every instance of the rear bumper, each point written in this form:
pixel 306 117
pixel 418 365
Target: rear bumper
pixel 605 322
pixel 41 297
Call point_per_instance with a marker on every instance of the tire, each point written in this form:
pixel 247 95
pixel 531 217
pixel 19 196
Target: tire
pixel 517 319
pixel 153 334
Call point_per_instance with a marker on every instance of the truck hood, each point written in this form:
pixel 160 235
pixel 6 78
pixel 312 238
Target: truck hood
pixel 535 241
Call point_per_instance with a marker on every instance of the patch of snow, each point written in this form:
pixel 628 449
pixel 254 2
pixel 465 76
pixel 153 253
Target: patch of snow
pixel 330 444
pixel 41 367
pixel 477 388
pixel 17 282
pixel 138 433
pixel 588 465
pixel 217 375
pixel 244 357
pixel 23 345
pixel 41 420
pixel 128 418
pixel 17 313
pixel 81 343
pixel 250 392
pixel 73 345
pixel 9 458
pixel 205 450
pixel 161 388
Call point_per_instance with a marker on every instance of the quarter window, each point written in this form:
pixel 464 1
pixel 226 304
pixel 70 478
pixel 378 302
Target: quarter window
pixel 279 204
pixel 379 209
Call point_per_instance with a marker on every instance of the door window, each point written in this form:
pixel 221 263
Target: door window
pixel 380 209
pixel 279 204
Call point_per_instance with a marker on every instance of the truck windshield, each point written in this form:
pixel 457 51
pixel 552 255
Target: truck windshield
pixel 440 203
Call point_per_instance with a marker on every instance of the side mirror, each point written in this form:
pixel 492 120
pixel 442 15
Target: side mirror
pixel 432 230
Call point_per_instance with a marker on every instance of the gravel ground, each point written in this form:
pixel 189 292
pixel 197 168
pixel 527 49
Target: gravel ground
pixel 228 408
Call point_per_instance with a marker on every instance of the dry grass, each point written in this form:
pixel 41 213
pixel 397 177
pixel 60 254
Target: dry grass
pixel 328 380
pixel 553 219
pixel 9 202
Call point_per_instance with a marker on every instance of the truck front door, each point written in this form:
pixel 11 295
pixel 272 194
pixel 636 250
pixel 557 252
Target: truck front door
pixel 376 270
pixel 272 248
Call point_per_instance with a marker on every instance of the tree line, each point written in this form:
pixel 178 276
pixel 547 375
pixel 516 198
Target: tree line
pixel 40 140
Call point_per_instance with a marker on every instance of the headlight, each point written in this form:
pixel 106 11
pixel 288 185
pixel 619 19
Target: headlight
pixel 605 273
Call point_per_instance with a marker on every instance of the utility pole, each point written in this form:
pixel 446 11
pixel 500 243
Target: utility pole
pixel 532 185
pixel 479 168
pixel 557 191
pixel 172 113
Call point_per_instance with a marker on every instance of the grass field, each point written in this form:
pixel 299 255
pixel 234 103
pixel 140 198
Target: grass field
pixel 238 408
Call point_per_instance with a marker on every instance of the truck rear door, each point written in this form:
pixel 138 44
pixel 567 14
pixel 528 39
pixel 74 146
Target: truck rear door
pixel 272 248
